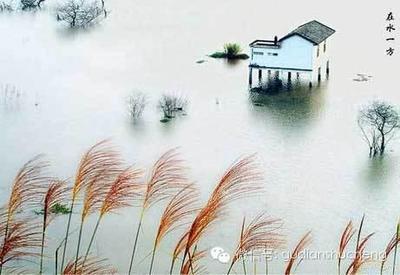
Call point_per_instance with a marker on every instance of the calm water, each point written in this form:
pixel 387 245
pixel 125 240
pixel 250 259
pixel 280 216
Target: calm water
pixel 73 88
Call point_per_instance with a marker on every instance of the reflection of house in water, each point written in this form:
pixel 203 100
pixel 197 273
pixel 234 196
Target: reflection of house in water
pixel 301 54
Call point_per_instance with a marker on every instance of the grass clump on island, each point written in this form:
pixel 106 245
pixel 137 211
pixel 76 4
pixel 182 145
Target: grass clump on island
pixel 231 51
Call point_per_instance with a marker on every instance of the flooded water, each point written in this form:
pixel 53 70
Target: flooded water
pixel 71 90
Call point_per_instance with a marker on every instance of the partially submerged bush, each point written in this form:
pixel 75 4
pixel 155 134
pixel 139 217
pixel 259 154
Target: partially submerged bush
pixel 6 7
pixel 81 13
pixel 231 51
pixel 136 105
pixel 170 105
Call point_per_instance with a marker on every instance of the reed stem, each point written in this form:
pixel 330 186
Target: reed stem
pixel 67 233
pixel 136 241
pixel 42 244
pixel 230 268
pixel 395 248
pixel 91 240
pixel 56 262
pixel 244 266
pixel 78 246
pixel 152 258
pixel 171 270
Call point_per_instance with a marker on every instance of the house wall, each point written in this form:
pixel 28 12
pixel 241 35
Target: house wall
pixel 295 53
pixel 321 60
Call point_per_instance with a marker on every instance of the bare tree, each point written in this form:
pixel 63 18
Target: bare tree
pixel 81 13
pixel 136 105
pixel 4 6
pixel 30 4
pixel 170 105
pixel 379 123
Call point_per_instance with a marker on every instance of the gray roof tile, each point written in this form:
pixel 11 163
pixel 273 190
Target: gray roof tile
pixel 313 31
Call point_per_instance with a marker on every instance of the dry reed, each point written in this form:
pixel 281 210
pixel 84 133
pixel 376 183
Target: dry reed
pixel 394 241
pixel 302 244
pixel 95 164
pixel 177 213
pixel 168 175
pixel 21 242
pixel 360 257
pixel 121 193
pixel 27 190
pixel 260 234
pixel 347 235
pixel 91 266
pixel 241 180
pixel 55 195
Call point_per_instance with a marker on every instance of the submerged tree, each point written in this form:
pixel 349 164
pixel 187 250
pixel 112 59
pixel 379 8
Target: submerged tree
pixel 170 105
pixel 81 13
pixel 6 6
pixel 379 123
pixel 136 105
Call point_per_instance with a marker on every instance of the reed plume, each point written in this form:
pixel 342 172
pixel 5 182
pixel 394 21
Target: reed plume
pixel 121 193
pixel 180 246
pixel 55 195
pixel 347 235
pixel 90 266
pixel 96 192
pixel 395 248
pixel 303 243
pixel 359 258
pixel 394 241
pixel 167 176
pixel 180 208
pixel 191 265
pixel 261 233
pixel 27 189
pixel 240 180
pixel 20 243
pixel 95 164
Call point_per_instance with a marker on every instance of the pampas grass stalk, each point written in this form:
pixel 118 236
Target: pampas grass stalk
pixel 241 180
pixel 395 248
pixel 181 207
pixel 347 235
pixel 21 241
pixel 260 233
pixel 180 246
pixel 389 249
pixel 191 265
pixel 167 176
pixel 391 246
pixel 359 258
pixel 27 189
pixel 302 244
pixel 95 194
pixel 92 266
pixel 95 161
pixel 56 194
pixel 122 192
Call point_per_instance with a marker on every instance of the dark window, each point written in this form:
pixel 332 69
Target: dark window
pixel 258 53
pixel 325 46
pixel 318 51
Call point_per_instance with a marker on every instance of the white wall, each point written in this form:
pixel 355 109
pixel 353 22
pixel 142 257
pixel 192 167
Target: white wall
pixel 321 60
pixel 295 53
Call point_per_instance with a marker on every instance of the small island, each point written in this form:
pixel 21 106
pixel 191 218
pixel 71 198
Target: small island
pixel 231 51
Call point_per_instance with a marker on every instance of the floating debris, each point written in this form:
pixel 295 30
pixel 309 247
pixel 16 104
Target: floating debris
pixel 362 77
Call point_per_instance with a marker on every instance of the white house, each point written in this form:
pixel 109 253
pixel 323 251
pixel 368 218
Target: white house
pixel 304 51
